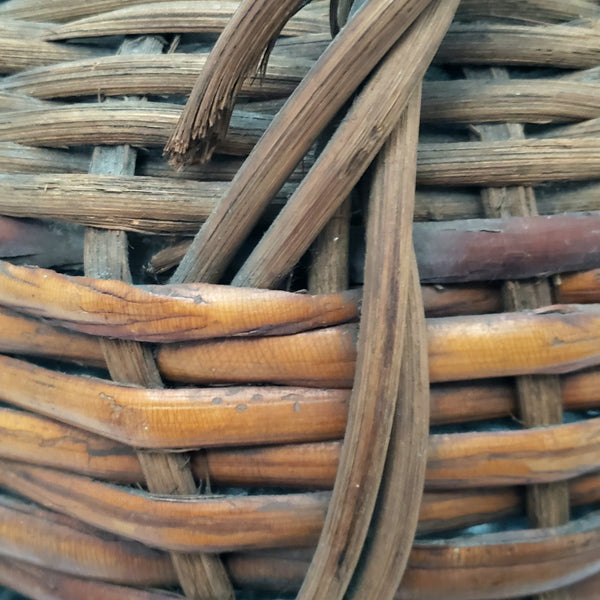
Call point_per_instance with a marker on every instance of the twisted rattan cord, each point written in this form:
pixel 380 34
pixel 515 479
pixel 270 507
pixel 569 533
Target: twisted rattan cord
pixel 202 576
pixel 539 396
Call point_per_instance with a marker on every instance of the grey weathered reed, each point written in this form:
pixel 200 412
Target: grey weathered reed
pixel 175 17
pixel 143 124
pixel 106 256
pixel 539 396
pixel 568 46
pixel 173 73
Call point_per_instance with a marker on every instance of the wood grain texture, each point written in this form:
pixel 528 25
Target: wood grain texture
pixel 183 418
pixel 329 269
pixel 166 74
pixel 504 565
pixel 68 10
pixel 15 158
pixel 459 251
pixel 61 10
pixel 563 45
pixel 343 161
pixel 116 123
pixel 32 438
pixel 191 523
pixel 150 313
pixel 321 94
pixel 449 300
pixel 221 168
pixel 25 335
pixel 421 560
pixel 395 519
pixel 201 576
pixel 450 510
pixel 578 287
pixel 455 461
pixel 528 100
pixel 326 358
pixel 90 552
pixel 517 247
pixel 514 162
pixel 536 10
pixel 520 101
pixel 539 396
pixel 142 204
pixel 48 540
pixel 22 54
pixel 34 337
pixel 383 557
pixel 247 40
pixel 435 204
pixel 39 440
pixel 13 101
pixel 589 128
pixel 173 17
pixel 530 347
pixel 542 454
pixel 556 339
pixel 332 350
pixel 376 394
pixel 448 504
pixel 44 584
pixel 86 541
pixel 508 564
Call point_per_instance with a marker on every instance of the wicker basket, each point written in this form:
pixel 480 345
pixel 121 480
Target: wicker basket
pixel 422 424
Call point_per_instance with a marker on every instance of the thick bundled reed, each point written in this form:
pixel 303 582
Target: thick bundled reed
pixel 300 299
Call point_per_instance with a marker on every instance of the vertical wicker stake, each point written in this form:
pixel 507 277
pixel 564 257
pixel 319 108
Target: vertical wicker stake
pixel 385 553
pixel 365 441
pixel 540 396
pixel 382 335
pixel 329 269
pixel 202 577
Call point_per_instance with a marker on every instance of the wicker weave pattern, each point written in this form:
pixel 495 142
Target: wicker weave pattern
pixel 132 403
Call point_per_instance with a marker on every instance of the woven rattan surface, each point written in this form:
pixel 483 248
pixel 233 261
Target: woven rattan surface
pixel 299 299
